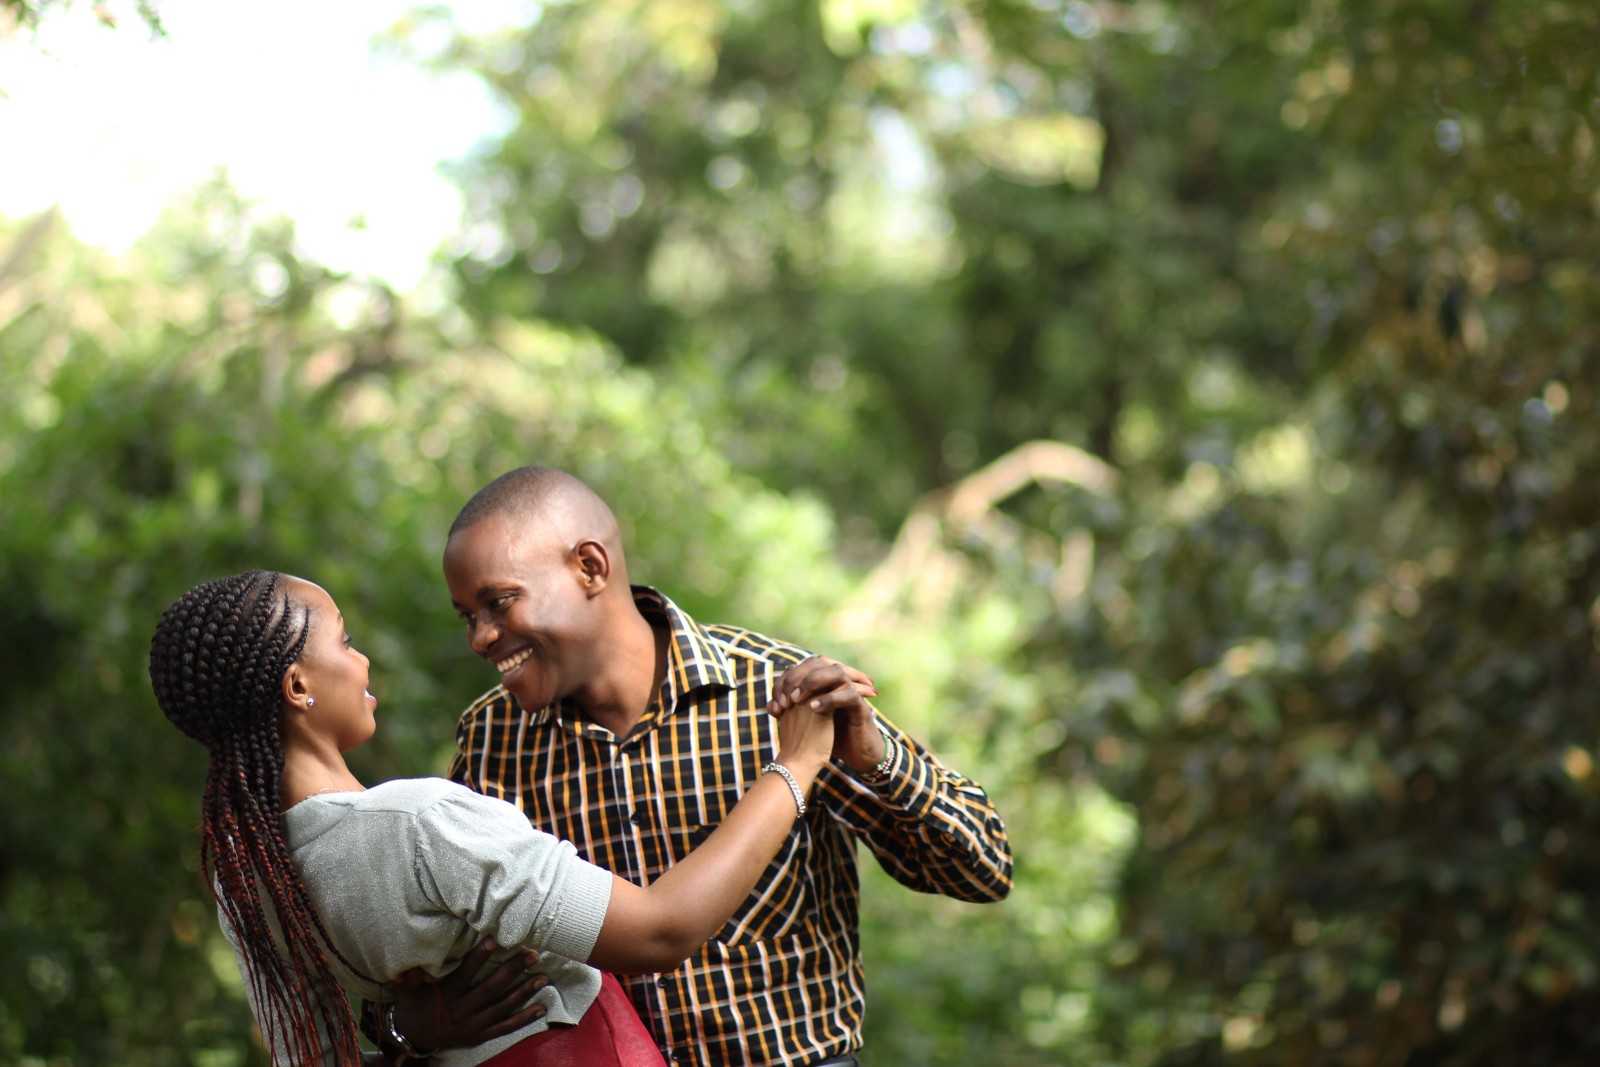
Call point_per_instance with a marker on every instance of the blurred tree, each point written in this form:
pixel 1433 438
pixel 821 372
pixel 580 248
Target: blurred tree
pixel 950 224
pixel 1315 278
pixel 948 613
pixel 1228 370
pixel 1352 656
pixel 27 13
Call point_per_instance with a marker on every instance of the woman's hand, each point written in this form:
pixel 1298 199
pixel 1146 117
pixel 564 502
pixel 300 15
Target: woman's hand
pixel 823 684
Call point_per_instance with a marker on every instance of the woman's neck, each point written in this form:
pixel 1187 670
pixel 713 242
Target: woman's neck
pixel 308 773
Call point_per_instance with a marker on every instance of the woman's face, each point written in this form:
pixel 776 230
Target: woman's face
pixel 333 672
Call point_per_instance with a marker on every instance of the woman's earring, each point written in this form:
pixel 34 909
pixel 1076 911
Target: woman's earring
pixel 311 702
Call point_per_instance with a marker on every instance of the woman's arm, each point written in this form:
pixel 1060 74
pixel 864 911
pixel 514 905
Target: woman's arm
pixel 658 927
pixel 655 928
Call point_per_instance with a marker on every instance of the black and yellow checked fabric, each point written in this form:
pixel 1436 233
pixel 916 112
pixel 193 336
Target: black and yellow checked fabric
pixel 782 982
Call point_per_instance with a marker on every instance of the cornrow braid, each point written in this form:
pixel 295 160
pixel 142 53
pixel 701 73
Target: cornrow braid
pixel 216 665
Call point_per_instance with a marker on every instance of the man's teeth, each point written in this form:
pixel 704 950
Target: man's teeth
pixel 507 665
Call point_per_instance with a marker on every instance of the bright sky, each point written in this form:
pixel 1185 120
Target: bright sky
pixel 289 96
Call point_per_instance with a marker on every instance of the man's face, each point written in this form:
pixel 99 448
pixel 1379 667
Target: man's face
pixel 523 601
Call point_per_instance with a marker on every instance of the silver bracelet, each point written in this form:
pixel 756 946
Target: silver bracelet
pixel 397 1037
pixel 794 786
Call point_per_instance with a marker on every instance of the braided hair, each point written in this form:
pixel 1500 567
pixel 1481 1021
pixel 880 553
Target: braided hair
pixel 216 664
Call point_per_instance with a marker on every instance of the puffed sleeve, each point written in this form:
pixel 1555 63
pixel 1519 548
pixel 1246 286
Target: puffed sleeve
pixel 476 857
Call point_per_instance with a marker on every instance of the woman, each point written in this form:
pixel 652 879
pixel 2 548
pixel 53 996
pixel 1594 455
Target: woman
pixel 321 882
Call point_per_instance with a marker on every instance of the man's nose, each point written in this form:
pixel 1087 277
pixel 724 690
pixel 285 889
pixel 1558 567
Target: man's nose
pixel 482 635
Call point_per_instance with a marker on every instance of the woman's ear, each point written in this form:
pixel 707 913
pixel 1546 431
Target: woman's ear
pixel 593 565
pixel 296 696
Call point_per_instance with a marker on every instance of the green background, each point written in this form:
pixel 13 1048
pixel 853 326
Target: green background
pixel 1184 410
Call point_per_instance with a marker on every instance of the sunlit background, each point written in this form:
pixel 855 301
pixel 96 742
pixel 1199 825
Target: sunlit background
pixel 295 102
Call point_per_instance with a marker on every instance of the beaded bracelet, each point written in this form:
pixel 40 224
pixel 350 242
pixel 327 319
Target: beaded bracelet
pixel 794 786
pixel 891 759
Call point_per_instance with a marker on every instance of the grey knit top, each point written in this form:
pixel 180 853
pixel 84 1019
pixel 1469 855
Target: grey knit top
pixel 416 871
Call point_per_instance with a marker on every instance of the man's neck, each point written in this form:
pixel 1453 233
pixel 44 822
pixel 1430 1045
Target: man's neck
pixel 642 657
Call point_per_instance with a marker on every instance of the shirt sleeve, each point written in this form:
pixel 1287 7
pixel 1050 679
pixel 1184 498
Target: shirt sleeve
pixel 460 771
pixel 477 858
pixel 479 727
pixel 932 829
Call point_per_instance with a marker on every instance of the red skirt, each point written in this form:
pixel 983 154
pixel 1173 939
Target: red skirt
pixel 610 1034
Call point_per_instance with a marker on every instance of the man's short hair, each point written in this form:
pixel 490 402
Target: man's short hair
pixel 513 493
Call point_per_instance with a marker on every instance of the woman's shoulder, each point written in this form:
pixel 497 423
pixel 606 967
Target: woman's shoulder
pixel 438 804
pixel 402 812
pixel 414 795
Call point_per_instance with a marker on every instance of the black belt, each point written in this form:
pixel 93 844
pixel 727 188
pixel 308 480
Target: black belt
pixel 847 1060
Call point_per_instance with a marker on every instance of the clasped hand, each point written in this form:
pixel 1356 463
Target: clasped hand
pixel 824 683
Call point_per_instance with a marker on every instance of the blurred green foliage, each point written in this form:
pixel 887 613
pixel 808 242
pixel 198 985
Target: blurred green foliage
pixel 110 13
pixel 1185 411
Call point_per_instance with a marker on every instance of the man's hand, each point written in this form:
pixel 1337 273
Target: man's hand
pixel 452 1012
pixel 825 683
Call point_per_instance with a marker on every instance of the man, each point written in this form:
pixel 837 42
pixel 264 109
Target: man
pixel 629 729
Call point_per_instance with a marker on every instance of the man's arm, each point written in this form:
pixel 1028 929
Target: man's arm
pixel 933 829
pixel 453 1011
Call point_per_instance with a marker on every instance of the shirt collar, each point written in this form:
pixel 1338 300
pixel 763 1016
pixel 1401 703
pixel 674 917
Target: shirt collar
pixel 694 660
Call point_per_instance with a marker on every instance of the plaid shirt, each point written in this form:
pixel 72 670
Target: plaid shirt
pixel 782 982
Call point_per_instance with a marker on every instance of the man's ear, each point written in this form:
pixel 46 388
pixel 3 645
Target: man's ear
pixel 593 566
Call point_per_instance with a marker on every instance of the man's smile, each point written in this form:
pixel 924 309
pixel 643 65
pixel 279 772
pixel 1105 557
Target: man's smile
pixel 512 662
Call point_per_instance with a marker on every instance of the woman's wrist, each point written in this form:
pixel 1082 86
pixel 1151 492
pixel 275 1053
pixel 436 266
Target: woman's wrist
pixel 795 788
pixel 804 767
